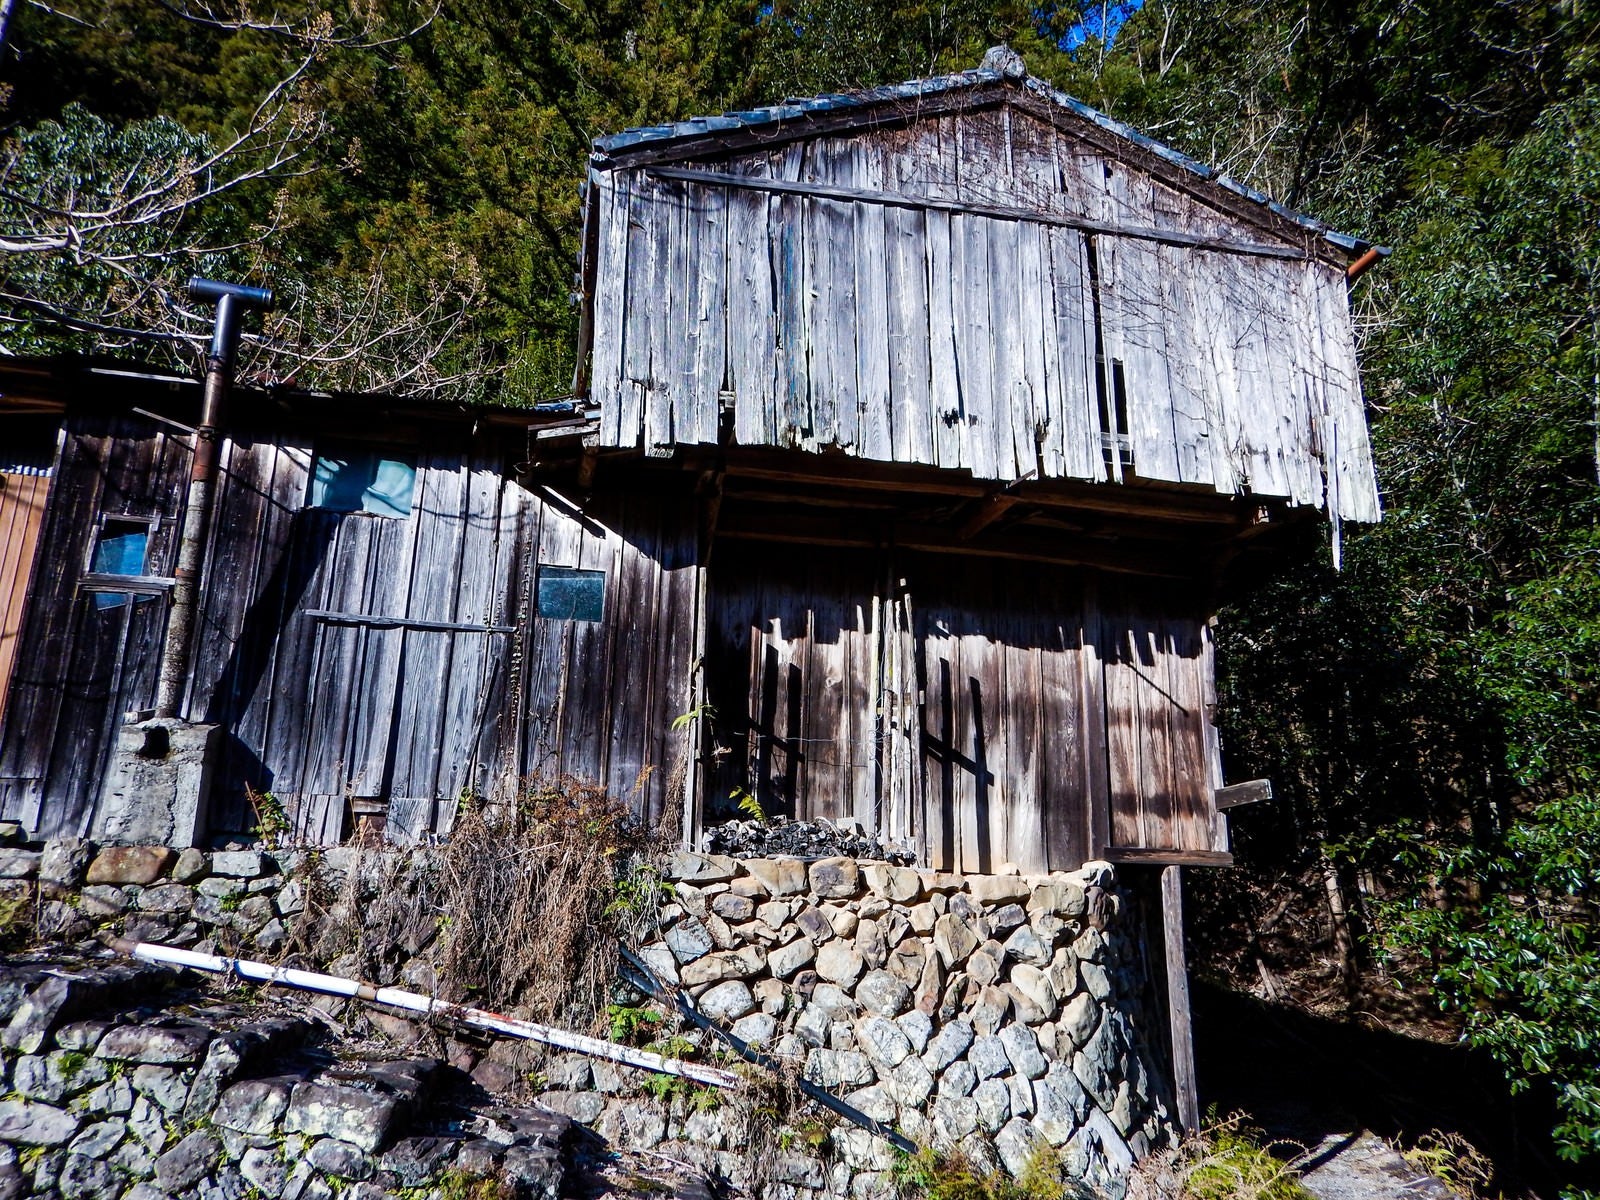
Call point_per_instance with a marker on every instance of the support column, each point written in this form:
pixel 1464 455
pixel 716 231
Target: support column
pixel 1178 1012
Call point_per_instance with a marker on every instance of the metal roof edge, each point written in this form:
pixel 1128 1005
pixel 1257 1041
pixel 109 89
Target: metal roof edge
pixel 792 109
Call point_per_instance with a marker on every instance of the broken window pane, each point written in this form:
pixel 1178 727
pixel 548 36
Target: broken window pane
pixel 568 594
pixel 121 548
pixel 362 481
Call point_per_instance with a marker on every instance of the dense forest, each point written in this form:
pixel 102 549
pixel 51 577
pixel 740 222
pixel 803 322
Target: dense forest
pixel 405 174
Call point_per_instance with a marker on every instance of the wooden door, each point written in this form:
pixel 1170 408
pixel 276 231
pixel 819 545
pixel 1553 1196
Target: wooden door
pixel 793 672
pixel 1009 761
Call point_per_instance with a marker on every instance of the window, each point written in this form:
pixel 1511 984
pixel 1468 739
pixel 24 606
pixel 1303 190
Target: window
pixel 567 594
pixel 121 551
pixel 362 481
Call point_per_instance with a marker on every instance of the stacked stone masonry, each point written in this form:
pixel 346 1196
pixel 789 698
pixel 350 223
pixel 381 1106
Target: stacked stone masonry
pixel 1000 1013
pixel 1003 1015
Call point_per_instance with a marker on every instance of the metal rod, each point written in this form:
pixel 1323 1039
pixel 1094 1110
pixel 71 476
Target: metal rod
pixel 175 650
pixel 334 985
pixel 643 978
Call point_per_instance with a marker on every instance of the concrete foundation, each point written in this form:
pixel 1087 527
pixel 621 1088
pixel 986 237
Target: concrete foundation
pixel 156 784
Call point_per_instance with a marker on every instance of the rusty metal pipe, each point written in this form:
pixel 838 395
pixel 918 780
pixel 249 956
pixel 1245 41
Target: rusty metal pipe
pixel 1359 268
pixel 176 649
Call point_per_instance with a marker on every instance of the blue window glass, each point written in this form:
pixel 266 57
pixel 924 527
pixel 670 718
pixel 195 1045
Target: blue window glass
pixel 121 548
pixel 362 481
pixel 567 594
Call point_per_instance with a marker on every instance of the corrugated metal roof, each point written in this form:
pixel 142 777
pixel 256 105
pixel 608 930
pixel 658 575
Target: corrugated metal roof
pixel 1000 65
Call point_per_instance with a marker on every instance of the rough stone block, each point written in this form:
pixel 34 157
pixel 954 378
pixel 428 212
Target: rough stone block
pixel 184 1044
pixel 727 1001
pixel 953 940
pixel 949 1044
pixel 835 878
pixel 1022 1048
pixel 883 1040
pixel 1016 1144
pixel 32 1124
pixel 688 940
pixel 692 867
pixel 875 1101
pixel 17 863
pixel 998 889
pixel 839 963
pixel 238 864
pixel 187 1163
pixel 334 1157
pixel 879 991
pixel 730 907
pixel 780 876
pixel 725 964
pixel 130 864
pixel 253 1107
pixel 333 1110
pixel 784 961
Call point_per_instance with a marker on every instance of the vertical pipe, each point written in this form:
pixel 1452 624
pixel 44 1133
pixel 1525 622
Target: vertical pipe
pixel 176 649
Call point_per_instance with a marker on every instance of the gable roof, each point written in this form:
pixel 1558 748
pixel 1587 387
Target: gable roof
pixel 1001 78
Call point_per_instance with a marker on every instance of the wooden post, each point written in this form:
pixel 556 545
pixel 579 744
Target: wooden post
pixel 1182 1031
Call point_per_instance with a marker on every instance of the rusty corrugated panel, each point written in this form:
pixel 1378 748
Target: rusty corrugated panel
pixel 22 501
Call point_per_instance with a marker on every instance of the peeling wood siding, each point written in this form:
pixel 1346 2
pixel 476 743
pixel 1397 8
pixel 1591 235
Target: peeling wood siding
pixel 351 655
pixel 964 340
pixel 1035 718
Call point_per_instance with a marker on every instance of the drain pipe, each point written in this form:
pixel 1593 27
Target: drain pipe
pixel 231 300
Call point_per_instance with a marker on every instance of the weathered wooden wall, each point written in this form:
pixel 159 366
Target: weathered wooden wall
pixel 80 666
pixel 989 712
pixel 935 304
pixel 355 655
pixel 22 501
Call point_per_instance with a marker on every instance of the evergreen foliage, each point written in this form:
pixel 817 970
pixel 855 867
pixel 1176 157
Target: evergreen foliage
pixel 1431 715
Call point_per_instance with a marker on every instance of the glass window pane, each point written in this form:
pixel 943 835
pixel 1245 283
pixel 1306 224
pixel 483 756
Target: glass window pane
pixel 566 594
pixel 361 481
pixel 121 548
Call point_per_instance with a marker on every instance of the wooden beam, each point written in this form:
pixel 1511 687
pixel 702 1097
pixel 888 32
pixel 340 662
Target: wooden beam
pixel 1255 791
pixel 998 212
pixel 1167 858
pixel 1166 502
pixel 988 513
pixel 1179 1020
pixel 1168 562
pixel 334 617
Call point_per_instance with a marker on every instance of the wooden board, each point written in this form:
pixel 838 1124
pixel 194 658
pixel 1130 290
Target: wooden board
pixel 962 334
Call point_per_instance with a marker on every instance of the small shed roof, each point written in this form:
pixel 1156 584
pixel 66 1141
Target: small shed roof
pixel 1002 73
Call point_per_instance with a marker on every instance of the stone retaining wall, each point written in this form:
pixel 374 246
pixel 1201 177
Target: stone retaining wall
pixel 995 1012
pixel 1000 1014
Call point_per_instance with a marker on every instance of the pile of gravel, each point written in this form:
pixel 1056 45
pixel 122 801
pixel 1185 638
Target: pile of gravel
pixel 803 839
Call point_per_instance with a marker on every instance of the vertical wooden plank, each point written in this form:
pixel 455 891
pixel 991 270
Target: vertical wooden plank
pixel 792 419
pixel 1346 448
pixel 1180 1023
pixel 638 317
pixel 1012 421
pixel 22 510
pixel 974 343
pixel 752 318
pixel 1073 446
pixel 707 233
pixel 1065 795
pixel 911 396
pixel 437 577
pixel 611 296
pixel 872 309
pixel 944 375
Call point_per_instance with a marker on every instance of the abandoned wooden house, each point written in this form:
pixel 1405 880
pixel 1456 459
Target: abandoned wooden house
pixel 912 431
